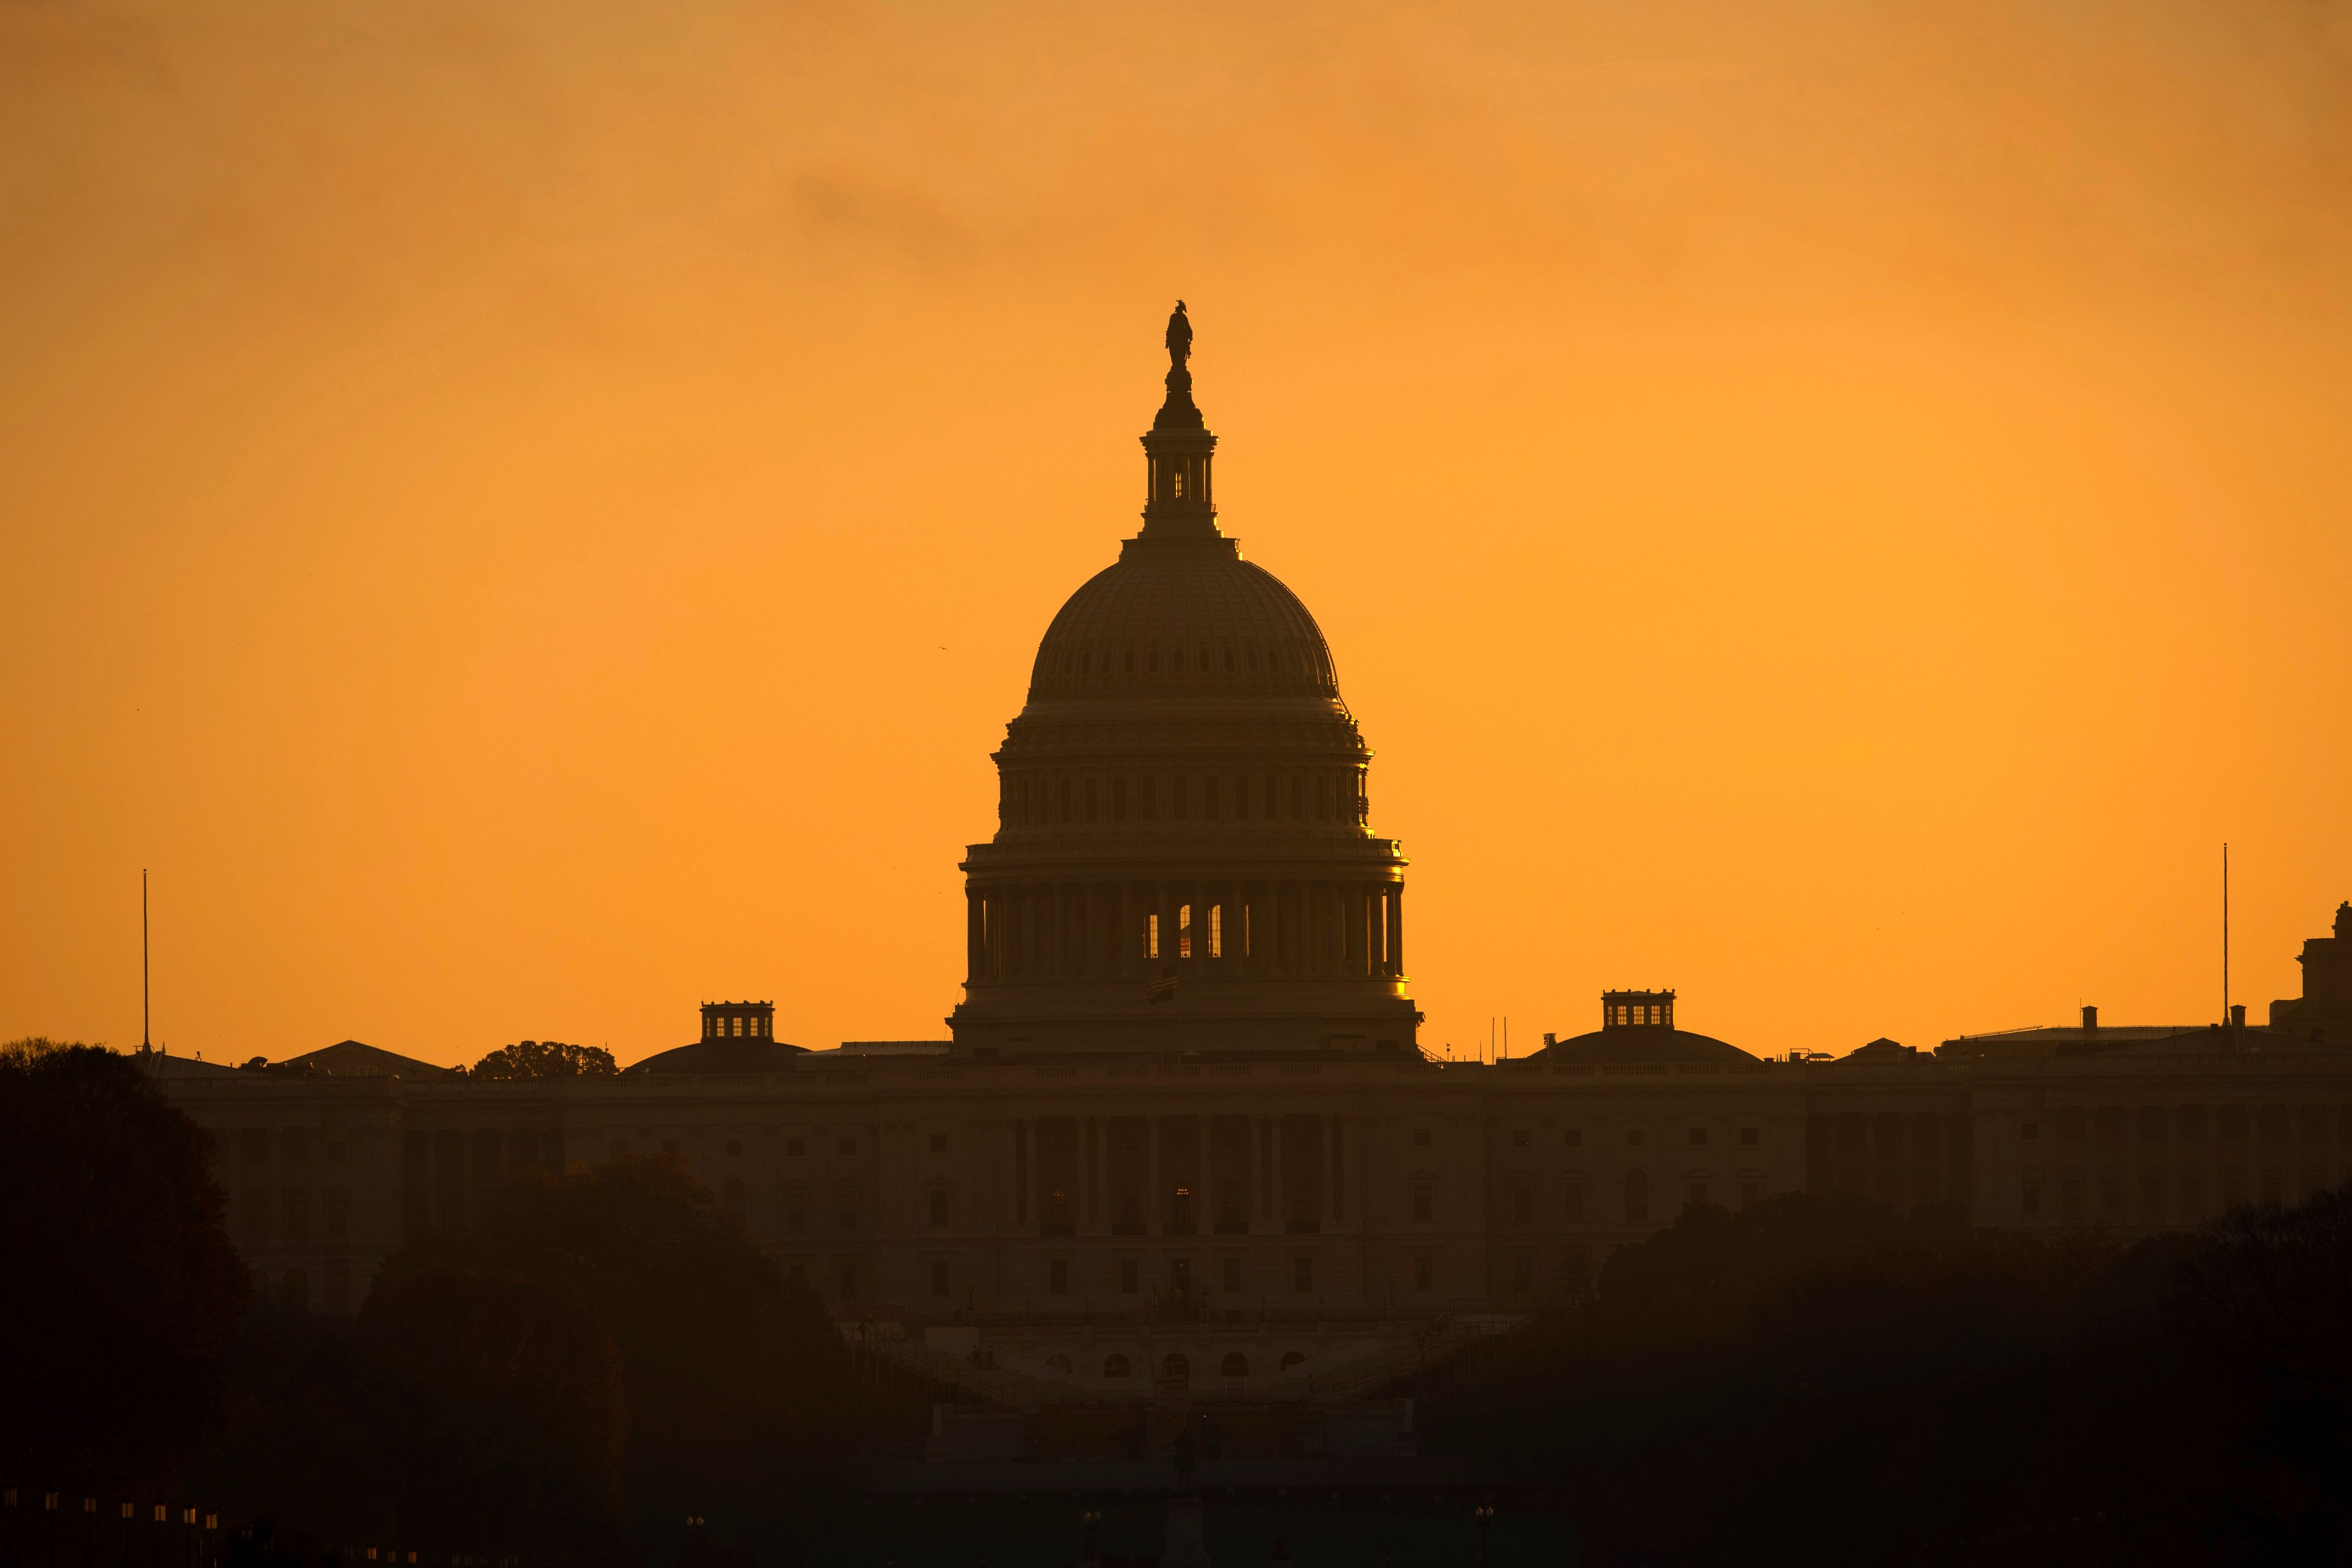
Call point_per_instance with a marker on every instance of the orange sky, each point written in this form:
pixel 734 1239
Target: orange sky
pixel 529 517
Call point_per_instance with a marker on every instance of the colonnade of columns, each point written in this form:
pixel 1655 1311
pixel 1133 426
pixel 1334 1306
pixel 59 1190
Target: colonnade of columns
pixel 1232 928
pixel 1294 1172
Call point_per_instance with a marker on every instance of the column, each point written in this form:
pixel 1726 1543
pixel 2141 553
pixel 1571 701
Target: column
pixel 973 929
pixel 1274 1169
pixel 1396 930
pixel 1155 1201
pixel 1256 1166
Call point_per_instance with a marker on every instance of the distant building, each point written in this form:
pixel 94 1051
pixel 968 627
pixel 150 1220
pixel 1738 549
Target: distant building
pixel 1183 1136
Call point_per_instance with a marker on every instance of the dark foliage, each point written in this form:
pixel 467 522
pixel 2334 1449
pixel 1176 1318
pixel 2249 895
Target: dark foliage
pixel 123 1290
pixel 736 1383
pixel 1815 1379
pixel 546 1059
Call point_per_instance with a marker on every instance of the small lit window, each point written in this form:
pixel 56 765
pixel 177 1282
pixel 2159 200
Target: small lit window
pixel 1130 1278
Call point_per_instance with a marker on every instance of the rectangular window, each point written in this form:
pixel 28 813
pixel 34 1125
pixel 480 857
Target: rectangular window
pixel 1233 1275
pixel 1523 1205
pixel 1130 1276
pixel 938 1278
pixel 1697 1199
pixel 1302 1275
pixel 795 1147
pixel 1520 1138
pixel 1574 1212
pixel 1152 936
pixel 1523 1274
pixel 1698 1137
pixel 939 1142
pixel 848 1215
pixel 1184 930
pixel 1421 1137
pixel 1216 930
pixel 795 1212
pixel 1057 1277
pixel 1574 1138
pixel 846 1146
pixel 939 1208
pixel 1425 1274
pixel 1750 1193
pixel 339 1212
pixel 1749 1135
pixel 1424 1204
pixel 849 1282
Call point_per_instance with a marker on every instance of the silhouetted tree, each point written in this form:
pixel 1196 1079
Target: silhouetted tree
pixel 123 1288
pixel 546 1059
pixel 1817 1378
pixel 515 1422
pixel 736 1382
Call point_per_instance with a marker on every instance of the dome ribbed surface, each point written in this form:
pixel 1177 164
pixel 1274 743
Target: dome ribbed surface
pixel 1182 618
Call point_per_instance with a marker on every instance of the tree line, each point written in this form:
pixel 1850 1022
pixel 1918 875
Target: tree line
pixel 603 1356
pixel 1819 1380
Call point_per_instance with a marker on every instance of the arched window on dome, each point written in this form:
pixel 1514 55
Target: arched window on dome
pixel 1184 930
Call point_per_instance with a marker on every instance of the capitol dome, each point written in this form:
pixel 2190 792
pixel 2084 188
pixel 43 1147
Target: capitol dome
pixel 1180 618
pixel 1183 859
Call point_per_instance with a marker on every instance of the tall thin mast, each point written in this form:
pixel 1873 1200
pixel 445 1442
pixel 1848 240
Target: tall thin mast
pixel 146 1020
pixel 2225 932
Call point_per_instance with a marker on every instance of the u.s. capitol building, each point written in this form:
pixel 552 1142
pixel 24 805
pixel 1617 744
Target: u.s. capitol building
pixel 1183 1138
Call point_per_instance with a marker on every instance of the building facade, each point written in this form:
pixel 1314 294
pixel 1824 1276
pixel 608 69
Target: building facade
pixel 1182 1134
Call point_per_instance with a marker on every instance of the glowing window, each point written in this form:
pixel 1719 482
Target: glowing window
pixel 1152 936
pixel 1184 930
pixel 1216 930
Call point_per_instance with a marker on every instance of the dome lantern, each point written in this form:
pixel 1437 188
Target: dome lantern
pixel 1178 498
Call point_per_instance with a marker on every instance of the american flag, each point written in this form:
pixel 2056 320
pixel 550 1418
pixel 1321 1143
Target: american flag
pixel 1162 987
